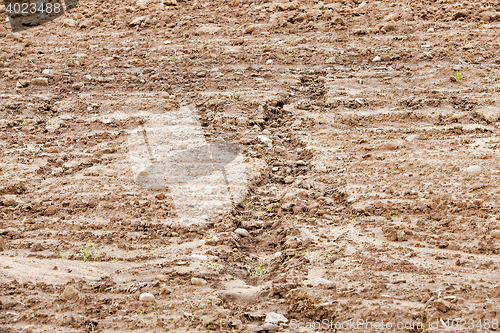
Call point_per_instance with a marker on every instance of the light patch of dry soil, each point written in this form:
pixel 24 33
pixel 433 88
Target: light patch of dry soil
pixel 365 184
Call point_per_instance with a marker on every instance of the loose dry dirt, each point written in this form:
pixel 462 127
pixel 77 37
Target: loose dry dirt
pixel 377 199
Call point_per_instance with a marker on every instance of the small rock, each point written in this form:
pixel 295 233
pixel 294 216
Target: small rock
pixel 51 210
pixel 11 200
pixel 430 30
pixel 495 234
pixel 265 139
pixel 40 81
pixel 289 179
pixel 46 72
pixel 70 23
pixel 78 86
pixel 165 95
pixel 146 297
pixel 323 282
pixel 412 137
pixel 391 235
pixel 138 21
pixel 242 232
pixel 441 305
pixel 377 59
pixel 321 169
pixel 250 29
pixel 275 318
pixel 165 290
pixel 199 257
pixel 88 77
pixel 3 246
pixel 160 196
pixel 266 132
pixel 301 163
pixel 269 327
pixel 398 281
pixel 473 170
pixel 70 293
pixel 142 4
pixel 198 282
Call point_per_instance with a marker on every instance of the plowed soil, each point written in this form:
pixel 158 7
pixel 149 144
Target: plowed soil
pixel 370 130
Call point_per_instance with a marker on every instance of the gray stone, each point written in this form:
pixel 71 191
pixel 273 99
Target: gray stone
pixel 198 282
pixel 275 318
pixel 70 293
pixel 268 327
pixel 242 232
pixel 473 170
pixel 146 297
pixel 377 59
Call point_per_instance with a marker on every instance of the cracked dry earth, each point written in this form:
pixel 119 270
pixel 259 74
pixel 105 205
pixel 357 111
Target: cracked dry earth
pixel 369 131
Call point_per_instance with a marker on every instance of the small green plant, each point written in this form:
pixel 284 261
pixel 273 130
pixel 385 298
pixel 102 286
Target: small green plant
pixel 151 250
pixel 325 255
pixel 282 56
pixel 89 251
pixel 249 204
pixel 216 267
pixel 346 221
pixel 258 270
pixel 173 318
pixel 422 321
pixel 459 76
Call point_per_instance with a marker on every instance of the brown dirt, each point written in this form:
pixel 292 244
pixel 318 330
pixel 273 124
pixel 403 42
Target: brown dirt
pixel 383 206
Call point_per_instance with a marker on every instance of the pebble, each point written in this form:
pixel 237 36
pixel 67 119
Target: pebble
pixel 275 169
pixel 46 71
pixel 430 30
pixel 199 257
pixel 138 20
pixel 242 232
pixel 269 62
pixel 264 139
pixel 301 162
pixel 165 95
pixel 473 170
pixel 323 282
pixel 411 137
pixel 11 200
pixel 146 297
pixel 198 282
pixel 495 234
pixel 70 23
pixel 289 179
pixel 377 59
pixel 278 254
pixel 88 77
pixel 51 210
pixel 266 132
pixel 275 318
pixel 70 293
pixel 269 327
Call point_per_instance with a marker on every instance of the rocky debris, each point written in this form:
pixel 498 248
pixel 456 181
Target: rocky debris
pixel 70 293
pixel 198 282
pixel 377 59
pixel 146 297
pixel 242 232
pixel 442 305
pixel 275 318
